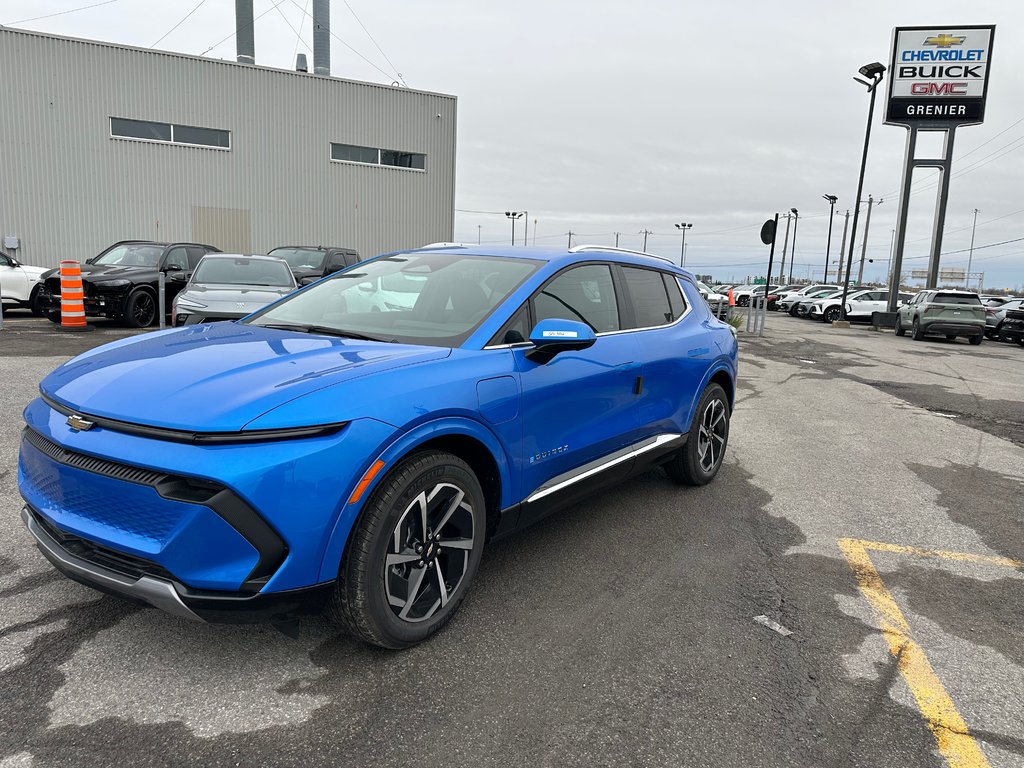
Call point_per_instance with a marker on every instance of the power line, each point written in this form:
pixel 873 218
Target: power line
pixel 386 57
pixel 61 13
pixel 165 34
pixel 298 36
pixel 251 23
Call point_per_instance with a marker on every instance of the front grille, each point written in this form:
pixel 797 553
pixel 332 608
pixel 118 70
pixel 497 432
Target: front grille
pixel 120 562
pixel 53 285
pixel 91 463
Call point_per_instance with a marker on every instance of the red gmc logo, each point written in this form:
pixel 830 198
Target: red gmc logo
pixel 935 89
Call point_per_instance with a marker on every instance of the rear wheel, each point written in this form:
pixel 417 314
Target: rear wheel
pixel 977 339
pixel 697 462
pixel 900 330
pixel 413 553
pixel 915 332
pixel 140 310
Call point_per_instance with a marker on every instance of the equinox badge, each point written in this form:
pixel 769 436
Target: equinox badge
pixel 80 424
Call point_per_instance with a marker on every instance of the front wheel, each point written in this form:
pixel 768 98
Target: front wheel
pixel 140 310
pixel 697 462
pixel 34 305
pixel 413 552
pixel 832 314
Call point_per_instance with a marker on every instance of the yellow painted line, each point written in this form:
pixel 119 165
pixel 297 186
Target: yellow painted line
pixel 943 554
pixel 951 734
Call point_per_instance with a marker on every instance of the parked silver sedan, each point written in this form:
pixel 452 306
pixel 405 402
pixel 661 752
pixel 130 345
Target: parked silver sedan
pixel 227 286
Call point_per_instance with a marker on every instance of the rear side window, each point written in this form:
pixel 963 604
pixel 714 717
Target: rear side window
pixel 649 297
pixel 956 298
pixel 585 294
pixel 675 296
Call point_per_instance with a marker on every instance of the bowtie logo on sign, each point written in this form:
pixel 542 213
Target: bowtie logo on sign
pixel 944 40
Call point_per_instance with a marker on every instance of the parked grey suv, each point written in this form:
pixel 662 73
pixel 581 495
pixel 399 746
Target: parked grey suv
pixel 945 313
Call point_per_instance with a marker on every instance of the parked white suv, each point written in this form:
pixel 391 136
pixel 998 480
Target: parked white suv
pixel 19 284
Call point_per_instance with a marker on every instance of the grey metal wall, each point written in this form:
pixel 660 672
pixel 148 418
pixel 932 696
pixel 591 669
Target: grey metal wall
pixel 68 189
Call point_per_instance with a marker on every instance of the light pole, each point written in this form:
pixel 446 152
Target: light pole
pixel 513 215
pixel 792 254
pixel 874 71
pixel 526 227
pixel 970 256
pixel 832 199
pixel 682 247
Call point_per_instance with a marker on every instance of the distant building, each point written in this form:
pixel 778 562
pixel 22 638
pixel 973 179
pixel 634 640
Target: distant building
pixel 105 142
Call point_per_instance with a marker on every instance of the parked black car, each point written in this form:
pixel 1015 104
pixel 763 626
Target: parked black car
pixel 311 262
pixel 121 282
pixel 1013 326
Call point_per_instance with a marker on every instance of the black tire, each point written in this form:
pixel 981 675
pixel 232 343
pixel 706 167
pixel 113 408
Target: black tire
pixel 832 314
pixel 688 465
pixel 140 310
pixel 33 303
pixel 976 339
pixel 915 330
pixel 53 316
pixel 361 601
pixel 900 330
pixel 743 301
pixel 792 310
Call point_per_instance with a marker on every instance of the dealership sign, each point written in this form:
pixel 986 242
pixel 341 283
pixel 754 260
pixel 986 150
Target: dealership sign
pixel 939 74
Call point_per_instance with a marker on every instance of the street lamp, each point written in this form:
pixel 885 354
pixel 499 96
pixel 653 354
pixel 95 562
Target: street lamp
pixel 513 215
pixel 792 254
pixel 828 245
pixel 682 247
pixel 874 72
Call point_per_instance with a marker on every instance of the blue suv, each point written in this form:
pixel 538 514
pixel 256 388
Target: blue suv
pixel 356 443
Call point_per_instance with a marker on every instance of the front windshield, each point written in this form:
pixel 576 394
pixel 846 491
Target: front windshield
pixel 133 255
pixel 412 298
pixel 703 288
pixel 300 258
pixel 243 271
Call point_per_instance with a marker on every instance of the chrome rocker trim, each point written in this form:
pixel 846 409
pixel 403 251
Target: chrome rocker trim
pixel 159 594
pixel 566 479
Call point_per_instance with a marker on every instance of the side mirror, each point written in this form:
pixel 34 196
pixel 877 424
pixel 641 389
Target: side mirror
pixel 366 287
pixel 308 280
pixel 179 276
pixel 549 337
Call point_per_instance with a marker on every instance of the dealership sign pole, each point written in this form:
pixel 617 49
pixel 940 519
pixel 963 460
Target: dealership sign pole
pixel 938 81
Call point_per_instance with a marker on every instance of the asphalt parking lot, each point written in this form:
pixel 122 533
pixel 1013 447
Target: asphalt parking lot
pixel 870 504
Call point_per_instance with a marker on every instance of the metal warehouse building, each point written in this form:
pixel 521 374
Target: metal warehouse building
pixel 104 142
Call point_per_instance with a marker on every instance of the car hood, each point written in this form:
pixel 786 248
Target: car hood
pixel 233 298
pixel 216 377
pixel 34 273
pixel 99 272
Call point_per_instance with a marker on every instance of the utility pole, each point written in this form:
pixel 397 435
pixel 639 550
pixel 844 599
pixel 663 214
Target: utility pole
pixel 970 257
pixel 864 244
pixel 645 233
pixel 839 269
pixel 571 233
pixel 526 227
pixel 535 232
pixel 792 257
pixel 617 238
pixel 785 244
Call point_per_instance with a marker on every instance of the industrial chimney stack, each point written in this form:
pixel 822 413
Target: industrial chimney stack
pixel 244 38
pixel 321 37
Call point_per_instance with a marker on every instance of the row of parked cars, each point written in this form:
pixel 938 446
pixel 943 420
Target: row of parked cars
pixel 200 283
pixel 949 313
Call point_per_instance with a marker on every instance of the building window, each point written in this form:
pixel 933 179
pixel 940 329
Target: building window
pixel 147 130
pixel 349 153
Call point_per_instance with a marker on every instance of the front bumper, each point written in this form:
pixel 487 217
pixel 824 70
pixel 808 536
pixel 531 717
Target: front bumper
pixel 197 316
pixel 97 304
pixel 109 573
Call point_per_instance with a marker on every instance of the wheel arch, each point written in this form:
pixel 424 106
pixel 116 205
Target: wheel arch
pixel 463 437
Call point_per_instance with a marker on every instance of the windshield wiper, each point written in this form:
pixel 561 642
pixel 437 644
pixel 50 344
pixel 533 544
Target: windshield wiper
pixel 326 330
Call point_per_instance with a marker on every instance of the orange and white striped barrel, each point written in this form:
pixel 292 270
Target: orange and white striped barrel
pixel 732 299
pixel 72 296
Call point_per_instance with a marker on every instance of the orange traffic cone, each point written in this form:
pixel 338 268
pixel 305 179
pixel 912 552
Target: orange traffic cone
pixel 72 298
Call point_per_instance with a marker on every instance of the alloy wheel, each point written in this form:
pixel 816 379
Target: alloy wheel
pixel 711 437
pixel 428 554
pixel 143 310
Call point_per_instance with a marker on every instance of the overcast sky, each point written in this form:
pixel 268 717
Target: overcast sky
pixel 601 117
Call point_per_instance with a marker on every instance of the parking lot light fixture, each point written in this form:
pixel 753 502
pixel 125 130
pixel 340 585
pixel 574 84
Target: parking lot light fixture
pixel 513 215
pixel 832 199
pixel 682 246
pixel 874 71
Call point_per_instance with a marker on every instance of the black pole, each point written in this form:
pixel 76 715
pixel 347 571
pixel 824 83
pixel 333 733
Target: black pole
pixel 828 244
pixel 513 220
pixel 771 258
pixel 860 190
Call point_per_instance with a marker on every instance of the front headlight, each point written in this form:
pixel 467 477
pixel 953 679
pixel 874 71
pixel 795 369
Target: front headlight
pixel 107 284
pixel 187 303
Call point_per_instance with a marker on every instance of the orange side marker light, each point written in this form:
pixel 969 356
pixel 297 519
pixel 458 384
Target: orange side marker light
pixel 371 473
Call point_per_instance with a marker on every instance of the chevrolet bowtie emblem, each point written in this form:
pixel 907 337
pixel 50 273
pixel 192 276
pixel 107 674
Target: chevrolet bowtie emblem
pixel 944 40
pixel 80 424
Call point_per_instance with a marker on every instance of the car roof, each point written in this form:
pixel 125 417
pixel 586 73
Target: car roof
pixel 258 256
